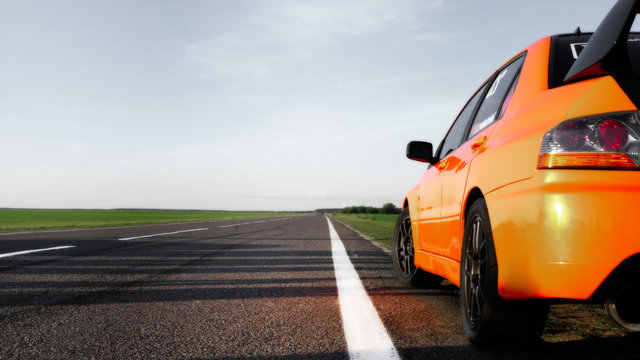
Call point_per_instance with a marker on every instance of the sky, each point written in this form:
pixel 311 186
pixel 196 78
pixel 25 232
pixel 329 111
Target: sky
pixel 243 104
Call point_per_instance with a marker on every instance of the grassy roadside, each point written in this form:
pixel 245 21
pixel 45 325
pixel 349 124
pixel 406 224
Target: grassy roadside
pixel 35 219
pixel 379 227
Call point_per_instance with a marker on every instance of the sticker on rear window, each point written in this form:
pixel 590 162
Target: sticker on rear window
pixel 495 84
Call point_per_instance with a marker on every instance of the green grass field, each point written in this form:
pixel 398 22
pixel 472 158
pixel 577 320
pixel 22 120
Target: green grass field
pixel 26 219
pixel 379 227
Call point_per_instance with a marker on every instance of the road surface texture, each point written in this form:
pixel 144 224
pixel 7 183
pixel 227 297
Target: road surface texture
pixel 237 289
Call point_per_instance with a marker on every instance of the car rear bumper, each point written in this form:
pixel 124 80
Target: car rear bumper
pixel 560 233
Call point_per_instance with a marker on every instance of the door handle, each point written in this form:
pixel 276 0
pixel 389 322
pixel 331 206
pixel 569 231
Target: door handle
pixel 478 143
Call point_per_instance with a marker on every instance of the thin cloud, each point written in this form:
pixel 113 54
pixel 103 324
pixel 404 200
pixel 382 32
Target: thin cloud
pixel 272 35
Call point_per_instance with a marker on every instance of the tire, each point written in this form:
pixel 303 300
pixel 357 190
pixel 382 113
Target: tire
pixel 487 319
pixel 403 256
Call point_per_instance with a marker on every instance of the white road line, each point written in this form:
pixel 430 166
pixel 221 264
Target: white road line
pixel 224 226
pixel 255 222
pixel 98 228
pixel 167 233
pixel 35 251
pixel 281 219
pixel 366 336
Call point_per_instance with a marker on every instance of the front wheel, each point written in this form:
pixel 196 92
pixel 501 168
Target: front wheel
pixel 403 255
pixel 488 319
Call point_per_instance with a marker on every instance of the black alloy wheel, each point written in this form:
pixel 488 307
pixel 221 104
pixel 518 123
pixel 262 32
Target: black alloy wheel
pixel 404 248
pixel 475 272
pixel 488 319
pixel 404 265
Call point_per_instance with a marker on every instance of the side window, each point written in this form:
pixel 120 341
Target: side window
pixel 456 133
pixel 507 100
pixel 495 99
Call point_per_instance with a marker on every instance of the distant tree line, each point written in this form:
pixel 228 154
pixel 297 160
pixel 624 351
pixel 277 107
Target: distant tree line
pixel 387 208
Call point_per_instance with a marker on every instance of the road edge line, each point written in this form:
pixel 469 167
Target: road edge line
pixel 366 335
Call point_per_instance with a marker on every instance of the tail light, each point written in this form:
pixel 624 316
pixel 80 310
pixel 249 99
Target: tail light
pixel 605 141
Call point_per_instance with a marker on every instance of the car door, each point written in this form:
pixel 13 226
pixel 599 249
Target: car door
pixel 454 174
pixel 430 186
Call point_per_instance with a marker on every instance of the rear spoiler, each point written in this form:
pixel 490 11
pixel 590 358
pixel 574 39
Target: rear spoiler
pixel 606 50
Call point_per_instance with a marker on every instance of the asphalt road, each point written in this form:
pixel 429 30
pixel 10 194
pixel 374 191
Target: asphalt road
pixel 238 289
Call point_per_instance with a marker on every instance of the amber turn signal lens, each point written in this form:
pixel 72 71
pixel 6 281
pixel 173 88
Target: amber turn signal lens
pixel 585 160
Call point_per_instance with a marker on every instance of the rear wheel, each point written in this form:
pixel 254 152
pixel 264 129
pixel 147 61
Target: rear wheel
pixel 403 255
pixel 488 319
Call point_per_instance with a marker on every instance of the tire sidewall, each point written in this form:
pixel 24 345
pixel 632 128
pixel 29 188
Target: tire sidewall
pixel 404 278
pixel 481 332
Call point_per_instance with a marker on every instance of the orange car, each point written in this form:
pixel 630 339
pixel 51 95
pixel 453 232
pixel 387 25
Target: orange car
pixel 533 194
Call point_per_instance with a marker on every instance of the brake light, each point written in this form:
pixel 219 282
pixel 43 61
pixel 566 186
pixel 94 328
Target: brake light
pixel 604 141
pixel 571 136
pixel 611 135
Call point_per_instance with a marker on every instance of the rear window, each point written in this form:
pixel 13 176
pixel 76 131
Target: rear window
pixel 565 49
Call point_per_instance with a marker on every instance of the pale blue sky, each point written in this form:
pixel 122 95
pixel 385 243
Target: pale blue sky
pixel 266 105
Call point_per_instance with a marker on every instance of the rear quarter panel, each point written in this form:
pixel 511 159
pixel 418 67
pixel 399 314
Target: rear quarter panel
pixel 512 153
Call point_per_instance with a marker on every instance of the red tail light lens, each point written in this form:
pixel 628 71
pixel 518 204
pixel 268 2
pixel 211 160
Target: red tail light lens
pixel 604 141
pixel 571 136
pixel 611 135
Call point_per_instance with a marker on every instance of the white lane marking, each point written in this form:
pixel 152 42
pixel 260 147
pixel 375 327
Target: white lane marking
pixel 35 251
pixel 167 233
pixel 99 228
pixel 115 227
pixel 255 222
pixel 366 336
pixel 224 226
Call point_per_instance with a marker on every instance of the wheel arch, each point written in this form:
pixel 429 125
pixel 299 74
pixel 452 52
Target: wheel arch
pixel 474 195
pixel 410 202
